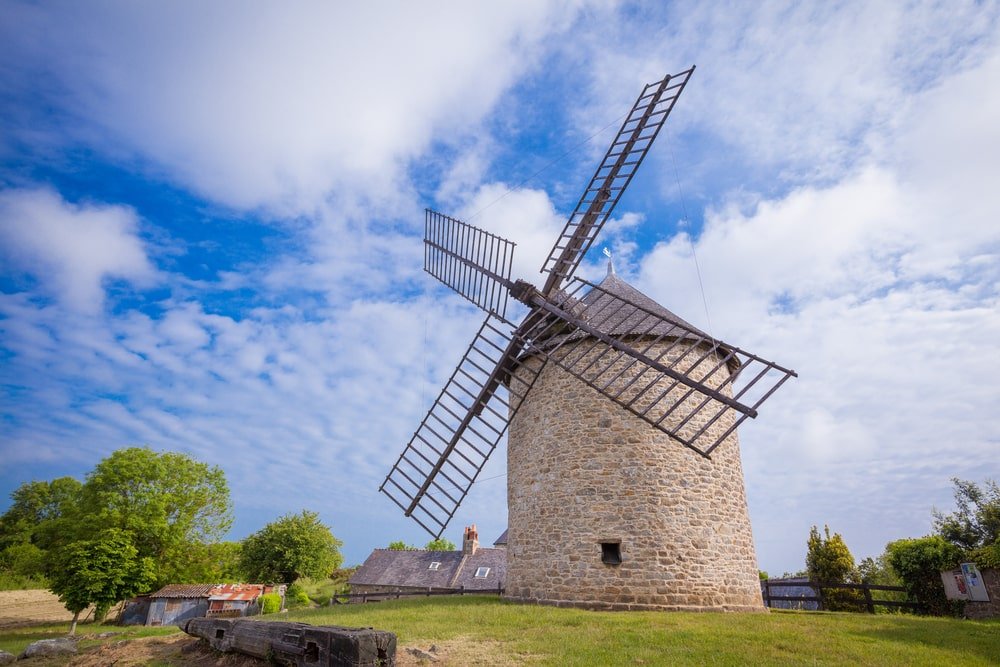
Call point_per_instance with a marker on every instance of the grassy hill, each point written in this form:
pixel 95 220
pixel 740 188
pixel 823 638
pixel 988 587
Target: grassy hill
pixel 485 630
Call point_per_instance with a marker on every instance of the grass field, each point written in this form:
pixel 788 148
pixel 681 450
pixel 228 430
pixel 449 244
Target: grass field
pixel 484 630
pixel 488 631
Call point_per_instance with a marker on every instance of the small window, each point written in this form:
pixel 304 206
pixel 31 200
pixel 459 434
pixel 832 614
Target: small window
pixel 482 572
pixel 611 553
pixel 433 566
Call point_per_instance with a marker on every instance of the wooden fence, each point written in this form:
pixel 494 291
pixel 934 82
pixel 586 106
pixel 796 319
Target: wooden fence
pixel 869 602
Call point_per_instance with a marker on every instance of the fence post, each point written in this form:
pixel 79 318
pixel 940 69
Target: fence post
pixel 819 594
pixel 767 593
pixel 868 599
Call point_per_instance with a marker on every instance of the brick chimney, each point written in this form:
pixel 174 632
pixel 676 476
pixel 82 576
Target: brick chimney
pixel 470 541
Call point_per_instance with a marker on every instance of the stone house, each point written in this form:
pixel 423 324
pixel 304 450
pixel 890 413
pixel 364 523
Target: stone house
pixel 473 569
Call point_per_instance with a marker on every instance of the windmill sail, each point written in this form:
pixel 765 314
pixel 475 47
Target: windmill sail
pixel 453 442
pixel 653 363
pixel 615 172
pixel 471 261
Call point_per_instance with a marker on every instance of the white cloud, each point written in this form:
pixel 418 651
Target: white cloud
pixel 72 249
pixel 255 105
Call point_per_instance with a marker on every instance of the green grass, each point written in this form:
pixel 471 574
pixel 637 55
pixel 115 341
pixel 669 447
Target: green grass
pixel 547 635
pixel 14 640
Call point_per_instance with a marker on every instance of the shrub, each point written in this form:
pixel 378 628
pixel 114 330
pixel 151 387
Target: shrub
pixel 296 596
pixel 270 603
pixel 919 562
pixel 829 561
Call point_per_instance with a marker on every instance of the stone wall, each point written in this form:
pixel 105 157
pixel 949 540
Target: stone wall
pixel 582 471
pixel 991 609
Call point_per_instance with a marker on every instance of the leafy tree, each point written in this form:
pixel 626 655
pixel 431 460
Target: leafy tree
pixel 294 546
pixel 828 560
pixel 400 545
pixel 218 562
pixel 440 544
pixel 878 571
pixel 918 562
pixel 166 502
pixel 975 526
pixel 101 572
pixel 35 505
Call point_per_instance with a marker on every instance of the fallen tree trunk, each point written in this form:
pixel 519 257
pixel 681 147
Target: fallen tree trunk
pixel 297 644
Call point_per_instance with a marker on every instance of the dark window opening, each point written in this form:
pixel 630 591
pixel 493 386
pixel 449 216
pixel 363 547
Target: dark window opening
pixel 312 652
pixel 220 633
pixel 611 553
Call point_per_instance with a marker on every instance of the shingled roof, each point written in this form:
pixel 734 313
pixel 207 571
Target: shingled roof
pixel 183 591
pixel 412 569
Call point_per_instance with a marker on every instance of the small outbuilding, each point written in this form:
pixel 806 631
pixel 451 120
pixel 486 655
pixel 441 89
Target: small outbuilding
pixel 175 603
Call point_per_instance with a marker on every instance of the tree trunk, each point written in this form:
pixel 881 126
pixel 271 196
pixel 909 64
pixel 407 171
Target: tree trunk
pixel 72 627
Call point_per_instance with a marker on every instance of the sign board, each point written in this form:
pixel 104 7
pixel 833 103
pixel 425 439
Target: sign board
pixel 975 583
pixel 955 587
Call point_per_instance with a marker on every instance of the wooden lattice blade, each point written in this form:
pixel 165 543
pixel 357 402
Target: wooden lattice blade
pixel 471 261
pixel 654 364
pixel 623 157
pixel 453 442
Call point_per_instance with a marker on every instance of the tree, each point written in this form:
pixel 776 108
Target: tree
pixel 294 546
pixel 828 560
pixel 36 504
pixel 101 572
pixel 400 545
pixel 975 526
pixel 166 502
pixel 919 562
pixel 440 544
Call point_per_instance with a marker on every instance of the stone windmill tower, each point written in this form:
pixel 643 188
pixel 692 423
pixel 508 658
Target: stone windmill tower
pixel 624 483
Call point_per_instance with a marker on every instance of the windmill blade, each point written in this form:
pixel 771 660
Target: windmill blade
pixel 613 175
pixel 662 369
pixel 471 261
pixel 453 442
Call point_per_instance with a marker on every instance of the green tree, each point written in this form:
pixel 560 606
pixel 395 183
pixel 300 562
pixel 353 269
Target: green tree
pixel 294 546
pixel 35 505
pixel 168 503
pixel 828 560
pixel 919 562
pixel 400 545
pixel 99 572
pixel 975 525
pixel 440 544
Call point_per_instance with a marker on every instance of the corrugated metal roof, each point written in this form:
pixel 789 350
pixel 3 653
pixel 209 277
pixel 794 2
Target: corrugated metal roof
pixel 247 592
pixel 183 591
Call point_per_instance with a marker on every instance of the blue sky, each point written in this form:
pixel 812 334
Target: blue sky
pixel 210 222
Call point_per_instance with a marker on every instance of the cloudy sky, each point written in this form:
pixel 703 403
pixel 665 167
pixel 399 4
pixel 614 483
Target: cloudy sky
pixel 211 219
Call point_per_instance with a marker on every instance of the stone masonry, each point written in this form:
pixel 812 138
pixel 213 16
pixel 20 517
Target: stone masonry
pixel 583 471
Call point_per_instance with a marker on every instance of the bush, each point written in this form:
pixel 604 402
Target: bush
pixel 270 603
pixel 919 562
pixel 829 561
pixel 296 596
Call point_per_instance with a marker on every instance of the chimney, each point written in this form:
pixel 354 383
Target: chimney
pixel 470 541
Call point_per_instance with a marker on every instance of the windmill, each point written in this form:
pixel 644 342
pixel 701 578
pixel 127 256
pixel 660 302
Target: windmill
pixel 651 375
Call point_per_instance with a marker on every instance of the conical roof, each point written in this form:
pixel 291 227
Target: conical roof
pixel 601 307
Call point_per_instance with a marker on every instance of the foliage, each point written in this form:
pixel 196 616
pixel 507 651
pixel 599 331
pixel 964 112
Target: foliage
pixel 481 629
pixel 25 560
pixel 762 575
pixel 321 590
pixel 976 522
pixel 100 571
pixel 16 582
pixel 35 503
pixel 16 639
pixel 918 562
pixel 166 502
pixel 400 545
pixel 440 544
pixel 270 603
pixel 296 596
pixel 218 562
pixel 294 546
pixel 878 571
pixel 828 560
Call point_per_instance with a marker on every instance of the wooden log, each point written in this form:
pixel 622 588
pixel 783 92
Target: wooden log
pixel 297 644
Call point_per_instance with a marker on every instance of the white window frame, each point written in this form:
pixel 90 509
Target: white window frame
pixel 485 572
pixel 435 565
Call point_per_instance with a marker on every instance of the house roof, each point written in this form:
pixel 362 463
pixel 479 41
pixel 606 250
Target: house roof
pixel 183 591
pixel 493 559
pixel 502 540
pixel 387 567
pixel 248 592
